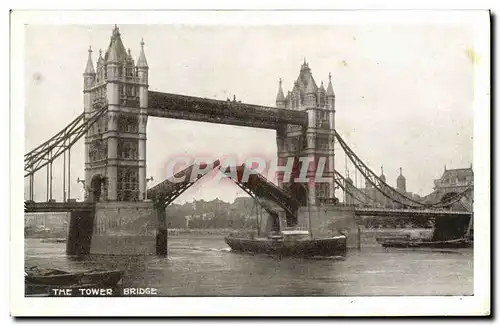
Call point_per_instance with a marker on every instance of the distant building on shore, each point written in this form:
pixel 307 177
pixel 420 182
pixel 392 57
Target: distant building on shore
pixel 455 180
pixel 452 181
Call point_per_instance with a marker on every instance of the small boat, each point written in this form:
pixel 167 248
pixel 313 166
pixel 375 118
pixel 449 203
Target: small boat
pixel 55 277
pixel 398 237
pixel 291 242
pixel 443 244
pixel 101 277
pixel 52 240
pixel 52 277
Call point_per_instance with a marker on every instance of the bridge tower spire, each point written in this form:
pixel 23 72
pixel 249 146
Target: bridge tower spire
pixel 89 68
pixel 142 62
pixel 280 98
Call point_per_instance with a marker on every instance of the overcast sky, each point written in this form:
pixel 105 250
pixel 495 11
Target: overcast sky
pixel 403 93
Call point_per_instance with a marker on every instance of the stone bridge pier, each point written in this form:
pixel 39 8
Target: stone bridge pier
pixel 330 220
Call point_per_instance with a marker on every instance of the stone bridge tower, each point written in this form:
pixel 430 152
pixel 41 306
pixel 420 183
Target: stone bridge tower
pixel 316 142
pixel 123 222
pixel 115 146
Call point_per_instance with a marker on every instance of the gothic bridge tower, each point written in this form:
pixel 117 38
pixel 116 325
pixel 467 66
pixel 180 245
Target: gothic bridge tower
pixel 316 142
pixel 123 222
pixel 115 146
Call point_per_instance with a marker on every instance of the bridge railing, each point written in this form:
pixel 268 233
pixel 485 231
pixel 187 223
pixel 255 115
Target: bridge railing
pixel 409 211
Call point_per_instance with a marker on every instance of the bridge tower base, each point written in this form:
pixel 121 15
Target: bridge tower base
pixel 124 228
pixel 116 228
pixel 328 220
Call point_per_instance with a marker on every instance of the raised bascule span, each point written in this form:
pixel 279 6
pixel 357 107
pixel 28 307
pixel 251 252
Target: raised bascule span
pixel 256 186
pixel 117 104
pixel 170 189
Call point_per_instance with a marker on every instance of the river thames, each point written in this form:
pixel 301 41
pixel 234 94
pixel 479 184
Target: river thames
pixel 205 266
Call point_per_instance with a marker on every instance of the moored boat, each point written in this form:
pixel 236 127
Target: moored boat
pixel 295 243
pixel 52 277
pixel 447 234
pixel 55 277
pixel 54 240
pixel 101 277
pixel 444 244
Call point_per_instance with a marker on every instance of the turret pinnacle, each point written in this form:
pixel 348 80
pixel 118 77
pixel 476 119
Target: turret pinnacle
pixel 280 97
pixel 322 88
pixel 116 51
pixel 89 69
pixel 329 90
pixel 100 59
pixel 141 62
pixel 305 66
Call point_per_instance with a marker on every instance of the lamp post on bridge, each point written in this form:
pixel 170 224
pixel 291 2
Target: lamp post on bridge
pixel 85 193
pixel 150 179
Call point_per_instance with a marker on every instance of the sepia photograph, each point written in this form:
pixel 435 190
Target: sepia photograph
pixel 232 155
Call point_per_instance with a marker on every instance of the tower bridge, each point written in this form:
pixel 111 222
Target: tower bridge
pixel 121 216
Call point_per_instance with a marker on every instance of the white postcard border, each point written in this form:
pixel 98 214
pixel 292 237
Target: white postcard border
pixel 251 306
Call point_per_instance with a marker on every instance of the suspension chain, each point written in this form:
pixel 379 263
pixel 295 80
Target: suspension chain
pixel 61 142
pixel 352 190
pixel 374 180
pixel 387 190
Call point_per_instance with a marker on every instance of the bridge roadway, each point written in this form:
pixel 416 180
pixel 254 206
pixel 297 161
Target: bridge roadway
pixel 385 212
pixel 52 207
pixel 31 207
pixel 175 106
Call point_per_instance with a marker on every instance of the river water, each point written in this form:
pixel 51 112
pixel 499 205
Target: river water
pixel 205 266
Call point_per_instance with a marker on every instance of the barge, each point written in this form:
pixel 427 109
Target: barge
pixel 290 242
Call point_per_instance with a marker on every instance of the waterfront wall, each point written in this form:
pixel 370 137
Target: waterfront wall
pixel 369 237
pixel 56 223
